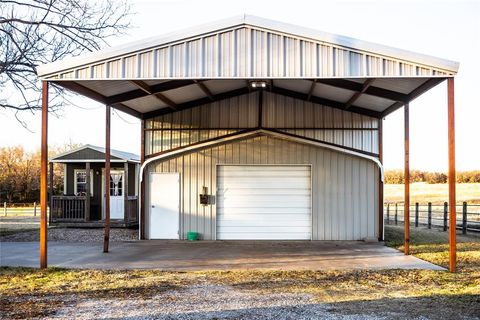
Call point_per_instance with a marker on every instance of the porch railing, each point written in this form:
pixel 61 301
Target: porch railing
pixel 132 209
pixel 67 208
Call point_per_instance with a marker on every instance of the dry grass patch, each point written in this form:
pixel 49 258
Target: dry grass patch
pixel 436 193
pixel 408 293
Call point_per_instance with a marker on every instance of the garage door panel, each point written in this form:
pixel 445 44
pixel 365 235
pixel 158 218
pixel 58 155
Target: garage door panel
pixel 271 196
pixel 265 223
pixel 242 212
pixel 264 202
pixel 271 174
pixel 264 236
pixel 266 191
pixel 261 168
pixel 267 229
pixel 271 184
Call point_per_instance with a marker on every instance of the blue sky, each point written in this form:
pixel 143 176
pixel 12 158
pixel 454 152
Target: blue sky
pixel 447 29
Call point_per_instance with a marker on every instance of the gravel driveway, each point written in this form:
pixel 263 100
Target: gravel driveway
pixel 212 301
pixel 72 235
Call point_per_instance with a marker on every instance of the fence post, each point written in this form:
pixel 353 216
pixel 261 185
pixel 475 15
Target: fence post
pixel 416 214
pixel 388 213
pixel 34 209
pixel 464 220
pixel 396 213
pixel 5 208
pixel 429 215
pixel 445 216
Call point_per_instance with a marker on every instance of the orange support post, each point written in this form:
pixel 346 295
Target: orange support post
pixel 43 177
pixel 452 177
pixel 106 238
pixel 406 211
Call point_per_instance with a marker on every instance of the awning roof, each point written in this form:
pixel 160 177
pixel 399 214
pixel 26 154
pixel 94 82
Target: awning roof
pixel 217 61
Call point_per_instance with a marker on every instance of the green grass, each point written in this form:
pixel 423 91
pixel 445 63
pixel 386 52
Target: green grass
pixel 432 245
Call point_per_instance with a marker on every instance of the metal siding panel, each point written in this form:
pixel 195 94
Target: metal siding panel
pixel 277 55
pixel 363 201
pixel 242 52
pixel 253 51
pixel 370 203
pixel 357 193
pixel 348 200
pixel 279 111
pixel 334 207
pixel 146 65
pixel 340 202
pixel 341 198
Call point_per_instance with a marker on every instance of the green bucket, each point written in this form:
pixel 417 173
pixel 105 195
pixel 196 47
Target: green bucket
pixel 192 236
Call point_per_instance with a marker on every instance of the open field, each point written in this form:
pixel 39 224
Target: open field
pixel 436 193
pixel 363 294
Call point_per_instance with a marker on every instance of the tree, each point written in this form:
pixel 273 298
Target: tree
pixel 20 173
pixel 35 32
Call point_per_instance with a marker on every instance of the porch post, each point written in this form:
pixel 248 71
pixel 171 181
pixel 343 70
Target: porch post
pixel 43 177
pixel 125 193
pixel 87 193
pixel 380 182
pixel 106 238
pixel 451 177
pixel 406 219
pixel 142 185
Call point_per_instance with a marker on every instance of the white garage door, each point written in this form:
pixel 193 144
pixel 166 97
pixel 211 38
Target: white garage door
pixel 264 202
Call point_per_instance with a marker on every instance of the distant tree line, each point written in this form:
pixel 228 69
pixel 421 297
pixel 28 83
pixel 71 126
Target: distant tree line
pixel 397 176
pixel 20 173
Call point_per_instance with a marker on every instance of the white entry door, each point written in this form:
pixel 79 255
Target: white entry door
pixel 264 202
pixel 117 200
pixel 164 205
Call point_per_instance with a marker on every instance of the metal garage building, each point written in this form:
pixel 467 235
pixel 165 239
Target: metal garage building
pixel 255 129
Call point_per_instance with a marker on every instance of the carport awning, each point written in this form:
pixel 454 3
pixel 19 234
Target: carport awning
pixel 209 63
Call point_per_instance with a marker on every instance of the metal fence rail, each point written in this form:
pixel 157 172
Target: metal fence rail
pixel 430 215
pixel 23 209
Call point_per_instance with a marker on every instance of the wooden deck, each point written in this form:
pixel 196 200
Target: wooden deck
pixel 73 211
pixel 114 223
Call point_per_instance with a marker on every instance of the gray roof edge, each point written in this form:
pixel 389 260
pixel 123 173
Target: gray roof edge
pixel 129 157
pixel 248 20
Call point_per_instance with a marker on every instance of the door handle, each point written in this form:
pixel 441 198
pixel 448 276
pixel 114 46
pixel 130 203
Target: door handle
pixel 153 206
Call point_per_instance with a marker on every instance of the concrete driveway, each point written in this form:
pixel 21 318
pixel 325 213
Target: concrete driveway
pixel 214 255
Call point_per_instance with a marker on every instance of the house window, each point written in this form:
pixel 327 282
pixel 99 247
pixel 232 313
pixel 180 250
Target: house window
pixel 116 185
pixel 80 184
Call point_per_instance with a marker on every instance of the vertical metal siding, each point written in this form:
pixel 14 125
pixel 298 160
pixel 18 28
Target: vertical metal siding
pixel 251 52
pixel 279 111
pixel 345 188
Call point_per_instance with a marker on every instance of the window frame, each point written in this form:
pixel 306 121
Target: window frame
pixel 75 172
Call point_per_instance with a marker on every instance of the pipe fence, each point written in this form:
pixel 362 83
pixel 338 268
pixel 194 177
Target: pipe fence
pixel 21 209
pixel 430 215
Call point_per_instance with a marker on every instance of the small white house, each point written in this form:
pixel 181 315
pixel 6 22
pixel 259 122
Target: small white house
pixel 83 200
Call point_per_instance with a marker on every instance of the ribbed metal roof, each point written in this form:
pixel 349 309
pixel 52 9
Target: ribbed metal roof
pixel 215 61
pixel 98 155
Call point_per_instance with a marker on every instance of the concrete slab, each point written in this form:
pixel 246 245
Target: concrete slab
pixel 215 255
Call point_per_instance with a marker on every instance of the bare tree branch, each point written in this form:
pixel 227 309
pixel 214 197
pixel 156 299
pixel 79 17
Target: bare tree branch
pixel 35 32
